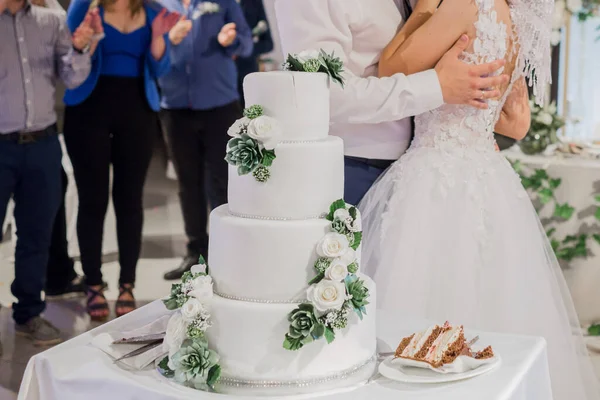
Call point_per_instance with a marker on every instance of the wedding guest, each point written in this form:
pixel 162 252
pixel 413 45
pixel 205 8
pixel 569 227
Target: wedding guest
pixel 200 101
pixel 254 12
pixel 111 120
pixel 37 49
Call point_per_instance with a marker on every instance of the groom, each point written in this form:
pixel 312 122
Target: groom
pixel 370 113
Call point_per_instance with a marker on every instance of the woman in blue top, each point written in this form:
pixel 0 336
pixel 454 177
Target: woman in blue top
pixel 111 120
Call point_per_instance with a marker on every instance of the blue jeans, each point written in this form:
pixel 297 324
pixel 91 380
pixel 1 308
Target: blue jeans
pixel 360 176
pixel 30 173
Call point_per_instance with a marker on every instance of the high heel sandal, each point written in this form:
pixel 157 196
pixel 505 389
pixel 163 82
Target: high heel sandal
pixel 127 304
pixel 94 308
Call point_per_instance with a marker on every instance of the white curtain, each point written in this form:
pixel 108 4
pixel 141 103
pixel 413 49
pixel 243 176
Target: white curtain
pixel 582 81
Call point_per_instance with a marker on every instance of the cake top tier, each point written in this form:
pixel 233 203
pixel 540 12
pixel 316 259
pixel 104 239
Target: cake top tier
pixel 299 101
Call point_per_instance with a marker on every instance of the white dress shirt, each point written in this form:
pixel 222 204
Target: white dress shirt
pixel 369 113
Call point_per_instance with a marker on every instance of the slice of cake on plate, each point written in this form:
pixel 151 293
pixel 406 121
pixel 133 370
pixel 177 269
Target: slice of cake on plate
pixel 438 346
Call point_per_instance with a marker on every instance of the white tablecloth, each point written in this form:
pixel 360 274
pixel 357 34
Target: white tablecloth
pixel 580 183
pixel 77 371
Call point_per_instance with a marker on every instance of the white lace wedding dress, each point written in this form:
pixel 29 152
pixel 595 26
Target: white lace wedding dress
pixel 450 233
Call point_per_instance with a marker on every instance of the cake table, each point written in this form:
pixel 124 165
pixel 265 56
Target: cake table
pixel 75 370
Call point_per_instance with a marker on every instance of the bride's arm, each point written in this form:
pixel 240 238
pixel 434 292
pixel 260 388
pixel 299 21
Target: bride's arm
pixel 515 118
pixel 427 35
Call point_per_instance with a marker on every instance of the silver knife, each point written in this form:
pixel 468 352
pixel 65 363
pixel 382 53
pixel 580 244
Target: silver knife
pixel 141 339
pixel 141 350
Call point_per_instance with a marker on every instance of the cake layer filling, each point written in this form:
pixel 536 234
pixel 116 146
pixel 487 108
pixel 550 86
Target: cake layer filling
pixel 305 179
pixel 263 259
pixel 298 100
pixel 249 338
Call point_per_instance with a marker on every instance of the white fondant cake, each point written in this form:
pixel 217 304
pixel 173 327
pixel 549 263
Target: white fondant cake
pixel 299 101
pixel 263 249
pixel 306 178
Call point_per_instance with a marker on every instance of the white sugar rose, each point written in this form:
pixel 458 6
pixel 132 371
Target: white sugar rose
pixel 175 335
pixel 198 269
pixel 202 288
pixel 354 225
pixel 191 309
pixel 327 295
pixel 306 55
pixel 266 130
pixel 342 214
pixel 337 270
pixel 332 245
pixel 347 258
pixel 238 126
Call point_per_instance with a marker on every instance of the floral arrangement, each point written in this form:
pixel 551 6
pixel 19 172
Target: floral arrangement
pixel 190 360
pixel 206 7
pixel 316 61
pixel 582 9
pixel 545 122
pixel 336 290
pixel 254 138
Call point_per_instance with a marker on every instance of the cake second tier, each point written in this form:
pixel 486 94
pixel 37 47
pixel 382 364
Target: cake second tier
pixel 263 260
pixel 306 177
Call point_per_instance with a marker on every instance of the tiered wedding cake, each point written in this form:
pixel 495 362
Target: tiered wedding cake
pixel 283 308
pixel 263 245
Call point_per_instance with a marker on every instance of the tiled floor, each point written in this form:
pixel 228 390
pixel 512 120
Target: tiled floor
pixel 164 242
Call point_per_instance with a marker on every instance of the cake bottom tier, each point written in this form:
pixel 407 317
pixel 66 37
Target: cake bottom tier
pixel 249 338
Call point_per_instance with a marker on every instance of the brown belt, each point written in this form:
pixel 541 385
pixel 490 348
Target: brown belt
pixel 29 137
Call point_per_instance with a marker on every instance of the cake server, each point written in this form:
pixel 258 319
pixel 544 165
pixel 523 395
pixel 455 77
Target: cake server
pixel 141 339
pixel 141 350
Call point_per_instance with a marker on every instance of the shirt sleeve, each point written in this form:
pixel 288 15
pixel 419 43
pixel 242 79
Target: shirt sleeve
pixel 72 67
pixel 243 44
pixel 331 25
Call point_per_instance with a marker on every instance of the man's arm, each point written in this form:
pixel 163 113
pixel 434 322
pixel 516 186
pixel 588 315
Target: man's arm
pixel 72 67
pixel 316 24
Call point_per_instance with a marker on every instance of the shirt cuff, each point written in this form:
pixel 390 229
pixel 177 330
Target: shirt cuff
pixel 77 60
pixel 428 91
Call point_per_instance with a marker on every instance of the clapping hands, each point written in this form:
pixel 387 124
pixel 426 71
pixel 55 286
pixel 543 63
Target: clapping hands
pixel 180 30
pixel 227 35
pixel 164 22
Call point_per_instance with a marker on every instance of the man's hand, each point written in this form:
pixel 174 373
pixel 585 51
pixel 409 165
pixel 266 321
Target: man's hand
pixel 468 84
pixel 82 36
pixel 227 35
pixel 180 30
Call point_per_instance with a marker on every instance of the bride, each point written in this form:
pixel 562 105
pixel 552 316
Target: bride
pixel 450 232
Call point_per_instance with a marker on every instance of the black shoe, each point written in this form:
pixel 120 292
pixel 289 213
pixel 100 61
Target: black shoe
pixel 75 288
pixel 188 262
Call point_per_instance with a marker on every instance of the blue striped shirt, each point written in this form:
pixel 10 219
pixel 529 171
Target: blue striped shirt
pixel 36 50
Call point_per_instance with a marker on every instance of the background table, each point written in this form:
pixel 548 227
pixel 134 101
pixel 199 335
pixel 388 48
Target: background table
pixel 75 370
pixel 580 183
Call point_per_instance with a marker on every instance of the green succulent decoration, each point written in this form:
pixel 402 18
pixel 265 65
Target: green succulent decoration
pixel 358 294
pixel 196 364
pixel 319 62
pixel 541 188
pixel 250 149
pixel 304 327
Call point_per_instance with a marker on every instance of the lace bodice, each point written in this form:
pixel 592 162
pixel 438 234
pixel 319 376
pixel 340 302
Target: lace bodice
pixel 453 128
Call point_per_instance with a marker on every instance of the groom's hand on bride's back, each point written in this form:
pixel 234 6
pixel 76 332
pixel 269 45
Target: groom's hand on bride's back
pixel 463 83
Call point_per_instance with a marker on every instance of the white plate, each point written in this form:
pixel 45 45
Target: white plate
pixel 406 374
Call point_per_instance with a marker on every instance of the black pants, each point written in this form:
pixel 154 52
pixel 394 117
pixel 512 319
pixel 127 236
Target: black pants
pixel 197 140
pixel 60 266
pixel 114 126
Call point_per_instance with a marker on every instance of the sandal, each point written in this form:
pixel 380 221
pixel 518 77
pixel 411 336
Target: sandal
pixel 98 312
pixel 125 289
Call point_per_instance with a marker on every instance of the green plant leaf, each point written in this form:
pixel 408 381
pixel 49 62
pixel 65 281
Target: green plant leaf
pixel 357 240
pixel 317 278
pixel 318 331
pixel 550 232
pixel 170 303
pixel 546 195
pixel 268 156
pixel 555 245
pixel 554 183
pixel 164 367
pixel 569 239
pixel 295 65
pixel 329 335
pixel 597 213
pixel 213 376
pixel 541 174
pixel 293 344
pixel 594 330
pixel 564 211
pixel 597 198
